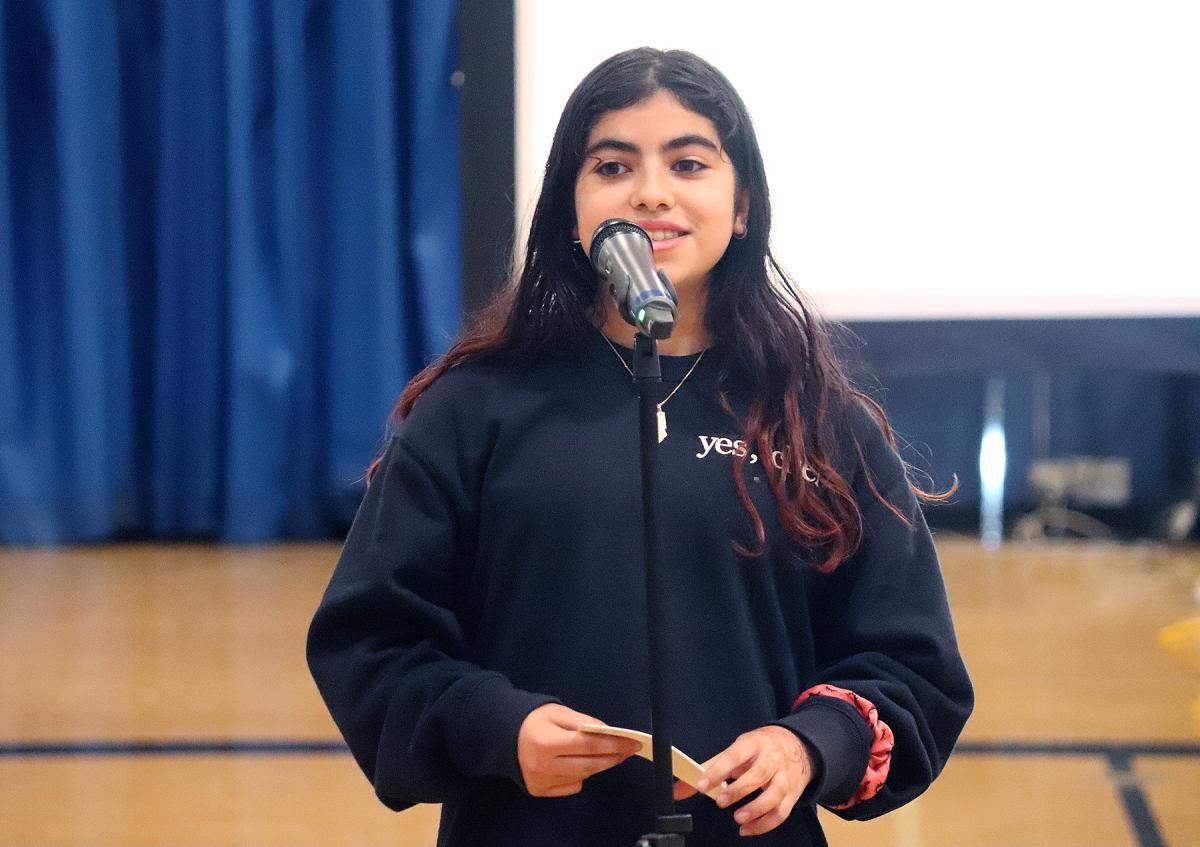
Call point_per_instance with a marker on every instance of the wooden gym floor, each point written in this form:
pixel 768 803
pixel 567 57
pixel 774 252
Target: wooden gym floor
pixel 157 695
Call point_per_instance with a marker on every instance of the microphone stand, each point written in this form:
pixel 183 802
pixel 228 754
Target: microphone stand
pixel 670 827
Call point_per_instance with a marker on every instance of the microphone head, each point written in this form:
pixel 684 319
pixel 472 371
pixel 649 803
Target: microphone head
pixel 600 258
pixel 623 254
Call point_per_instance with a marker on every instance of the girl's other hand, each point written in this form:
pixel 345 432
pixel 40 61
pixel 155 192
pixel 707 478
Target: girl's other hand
pixel 771 758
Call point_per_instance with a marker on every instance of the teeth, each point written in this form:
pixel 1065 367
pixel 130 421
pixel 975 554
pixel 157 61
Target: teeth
pixel 663 235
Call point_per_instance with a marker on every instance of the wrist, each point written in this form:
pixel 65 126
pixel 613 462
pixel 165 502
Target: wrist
pixel 792 743
pixel 797 750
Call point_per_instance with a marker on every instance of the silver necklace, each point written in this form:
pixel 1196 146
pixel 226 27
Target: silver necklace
pixel 662 416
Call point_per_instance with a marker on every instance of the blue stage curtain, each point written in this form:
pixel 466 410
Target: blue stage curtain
pixel 229 233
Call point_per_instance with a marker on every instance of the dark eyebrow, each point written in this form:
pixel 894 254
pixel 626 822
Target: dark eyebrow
pixel 688 141
pixel 673 144
pixel 611 144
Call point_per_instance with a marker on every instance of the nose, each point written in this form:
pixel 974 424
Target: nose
pixel 651 190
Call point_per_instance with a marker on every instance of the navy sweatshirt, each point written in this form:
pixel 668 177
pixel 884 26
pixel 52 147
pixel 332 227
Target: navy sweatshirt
pixel 495 565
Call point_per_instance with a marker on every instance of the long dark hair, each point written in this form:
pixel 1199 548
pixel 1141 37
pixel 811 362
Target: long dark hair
pixel 781 351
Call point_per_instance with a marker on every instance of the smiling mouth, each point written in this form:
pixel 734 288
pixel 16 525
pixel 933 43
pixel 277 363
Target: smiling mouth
pixel 664 235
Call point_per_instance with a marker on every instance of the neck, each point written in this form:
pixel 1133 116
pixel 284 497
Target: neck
pixel 689 337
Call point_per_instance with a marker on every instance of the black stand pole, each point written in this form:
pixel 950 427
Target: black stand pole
pixel 670 827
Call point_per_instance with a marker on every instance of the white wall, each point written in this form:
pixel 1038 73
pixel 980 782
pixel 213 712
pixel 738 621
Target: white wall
pixel 936 159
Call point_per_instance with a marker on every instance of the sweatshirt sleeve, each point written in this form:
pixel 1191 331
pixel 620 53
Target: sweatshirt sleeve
pixel 891 687
pixel 386 648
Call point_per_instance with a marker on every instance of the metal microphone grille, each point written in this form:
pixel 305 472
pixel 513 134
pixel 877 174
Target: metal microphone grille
pixel 606 230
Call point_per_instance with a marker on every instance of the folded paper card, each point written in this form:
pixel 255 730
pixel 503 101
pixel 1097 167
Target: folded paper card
pixel 683 766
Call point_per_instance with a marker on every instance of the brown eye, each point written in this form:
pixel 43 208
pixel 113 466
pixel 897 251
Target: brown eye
pixel 690 166
pixel 610 168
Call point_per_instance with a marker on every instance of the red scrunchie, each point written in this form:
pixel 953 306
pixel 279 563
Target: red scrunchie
pixel 880 760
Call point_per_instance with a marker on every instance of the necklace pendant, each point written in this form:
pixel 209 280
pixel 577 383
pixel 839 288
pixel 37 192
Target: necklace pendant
pixel 662 424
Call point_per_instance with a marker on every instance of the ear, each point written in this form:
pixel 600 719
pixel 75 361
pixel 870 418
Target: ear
pixel 741 211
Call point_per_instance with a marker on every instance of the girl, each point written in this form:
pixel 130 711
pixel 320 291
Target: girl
pixel 489 598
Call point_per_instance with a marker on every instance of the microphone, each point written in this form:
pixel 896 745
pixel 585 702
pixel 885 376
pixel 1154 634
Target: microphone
pixel 623 254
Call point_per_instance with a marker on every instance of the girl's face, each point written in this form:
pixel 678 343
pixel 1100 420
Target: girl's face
pixel 661 166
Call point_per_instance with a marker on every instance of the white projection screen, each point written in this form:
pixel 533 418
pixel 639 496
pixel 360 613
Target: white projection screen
pixel 936 160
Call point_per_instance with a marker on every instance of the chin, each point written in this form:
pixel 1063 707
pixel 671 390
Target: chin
pixel 687 285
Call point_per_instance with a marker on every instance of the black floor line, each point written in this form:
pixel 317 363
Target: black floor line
pixel 1079 748
pixel 277 746
pixel 181 747
pixel 1137 807
pixel 1119 755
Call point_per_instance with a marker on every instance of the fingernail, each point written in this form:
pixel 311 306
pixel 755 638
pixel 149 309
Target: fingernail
pixel 703 783
pixel 740 817
pixel 722 799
